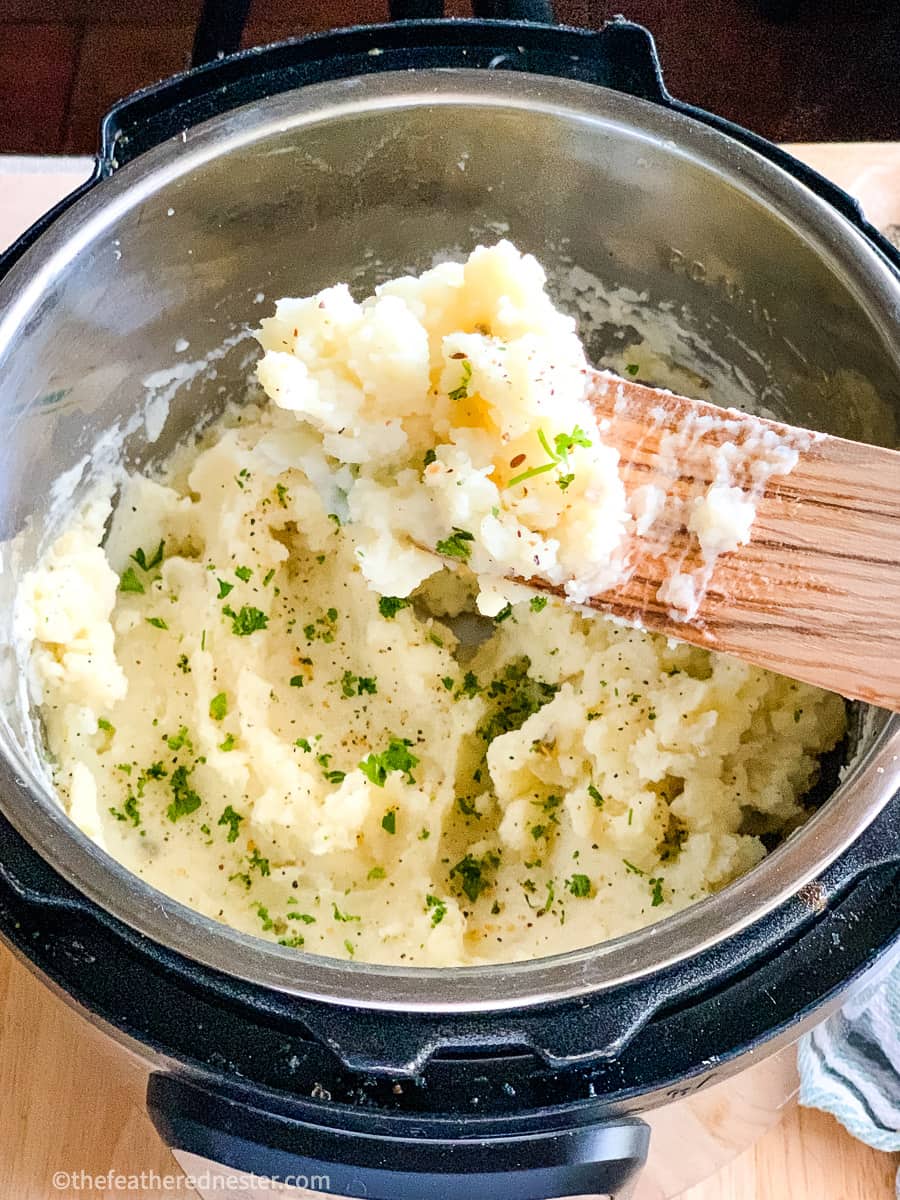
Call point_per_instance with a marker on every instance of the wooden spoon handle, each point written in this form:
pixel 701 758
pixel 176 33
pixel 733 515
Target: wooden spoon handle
pixel 815 594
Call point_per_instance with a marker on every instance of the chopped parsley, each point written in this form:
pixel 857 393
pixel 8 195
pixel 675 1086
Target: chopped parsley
pixel 184 799
pixel 295 941
pixel 631 868
pixel 268 577
pixel 389 821
pixel 304 917
pixel 265 919
pixel 349 947
pixel 303 744
pixel 537 603
pixel 342 916
pixel 129 582
pixel 148 564
pixel 323 628
pixel 176 740
pixel 558 455
pixel 462 391
pixel 156 622
pixel 377 767
pixel 218 707
pixel 248 620
pixel 456 545
pixel 243 573
pixel 389 606
pixel 470 686
pixel 579 885
pixel 229 743
pixel 656 892
pixel 296 681
pixel 516 695
pixel 471 873
pixel 632 369
pixel 106 726
pixel 232 819
pixel 282 494
pixel 595 796
pixel 129 811
pixel 437 908
pixel 357 685
pixel 224 589
pixel 504 614
pixel 376 873
pixel 258 863
pixel 430 457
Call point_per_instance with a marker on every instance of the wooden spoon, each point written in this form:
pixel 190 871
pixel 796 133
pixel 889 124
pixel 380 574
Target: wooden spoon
pixel 814 594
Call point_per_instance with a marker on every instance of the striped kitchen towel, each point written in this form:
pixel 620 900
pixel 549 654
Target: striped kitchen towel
pixel 850 1064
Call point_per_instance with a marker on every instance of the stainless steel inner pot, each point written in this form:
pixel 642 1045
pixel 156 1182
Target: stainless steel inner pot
pixel 651 225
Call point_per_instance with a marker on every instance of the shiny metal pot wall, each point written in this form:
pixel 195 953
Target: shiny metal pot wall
pixel 766 284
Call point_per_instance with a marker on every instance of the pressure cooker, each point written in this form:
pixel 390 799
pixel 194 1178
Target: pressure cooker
pixel 351 156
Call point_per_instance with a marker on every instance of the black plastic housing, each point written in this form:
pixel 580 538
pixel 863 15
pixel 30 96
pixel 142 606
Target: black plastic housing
pixel 526 1103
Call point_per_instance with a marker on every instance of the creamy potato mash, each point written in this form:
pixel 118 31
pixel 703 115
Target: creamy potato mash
pixel 264 696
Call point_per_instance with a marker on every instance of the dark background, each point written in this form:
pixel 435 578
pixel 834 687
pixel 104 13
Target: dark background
pixel 826 70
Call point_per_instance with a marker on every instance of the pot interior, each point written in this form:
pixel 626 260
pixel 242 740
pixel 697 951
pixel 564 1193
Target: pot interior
pixel 669 242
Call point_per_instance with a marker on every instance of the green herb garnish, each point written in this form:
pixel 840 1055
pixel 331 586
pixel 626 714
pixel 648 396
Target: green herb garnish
pixel 342 916
pixel 437 908
pixel 248 620
pixel 397 757
pixel 389 606
pixel 471 873
pixel 456 545
pixel 129 811
pixel 184 799
pixel 389 821
pixel 558 454
pixel 579 885
pixel 147 564
pixel 129 582
pixel 462 391
pixel 218 707
pixel 595 796
pixel 232 819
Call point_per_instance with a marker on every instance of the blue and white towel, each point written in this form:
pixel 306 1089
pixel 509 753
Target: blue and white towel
pixel 850 1065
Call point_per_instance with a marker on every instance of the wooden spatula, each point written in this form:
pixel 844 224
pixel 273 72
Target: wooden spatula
pixel 814 594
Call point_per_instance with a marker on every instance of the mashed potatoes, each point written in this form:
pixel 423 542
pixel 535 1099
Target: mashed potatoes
pixel 259 693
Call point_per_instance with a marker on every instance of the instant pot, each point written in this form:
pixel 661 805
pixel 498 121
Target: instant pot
pixel 628 1068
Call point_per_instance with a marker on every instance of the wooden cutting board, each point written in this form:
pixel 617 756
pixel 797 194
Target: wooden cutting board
pixel 71 1103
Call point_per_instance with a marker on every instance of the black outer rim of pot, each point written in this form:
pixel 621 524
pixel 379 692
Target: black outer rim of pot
pixel 770 982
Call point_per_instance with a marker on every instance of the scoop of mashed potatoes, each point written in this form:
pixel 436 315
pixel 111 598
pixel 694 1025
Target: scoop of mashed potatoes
pixel 264 699
pixel 447 413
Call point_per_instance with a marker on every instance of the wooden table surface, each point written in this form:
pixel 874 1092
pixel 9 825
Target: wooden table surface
pixel 71 1102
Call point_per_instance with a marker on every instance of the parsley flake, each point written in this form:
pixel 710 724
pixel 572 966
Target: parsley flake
pixel 232 819
pixel 377 767
pixel 462 391
pixel 456 545
pixel 129 582
pixel 389 606
pixel 437 908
